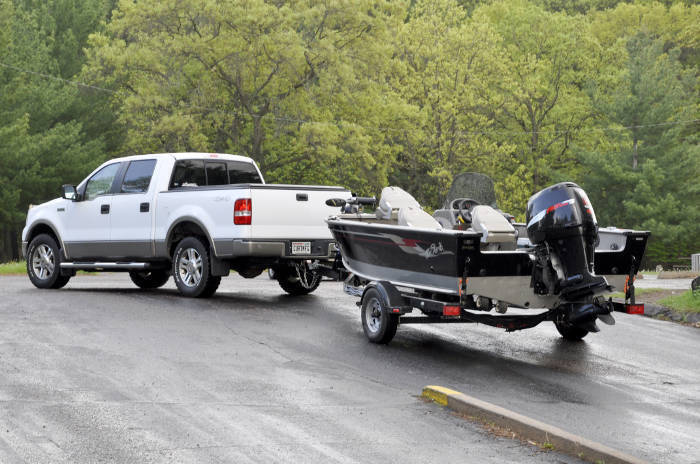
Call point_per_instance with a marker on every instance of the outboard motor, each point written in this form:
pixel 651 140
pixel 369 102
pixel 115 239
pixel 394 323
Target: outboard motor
pixel 562 224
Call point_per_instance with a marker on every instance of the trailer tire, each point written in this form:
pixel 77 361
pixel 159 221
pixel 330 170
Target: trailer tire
pixel 149 279
pixel 296 279
pixel 378 323
pixel 570 332
pixel 193 280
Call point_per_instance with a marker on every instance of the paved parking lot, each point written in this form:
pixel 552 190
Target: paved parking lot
pixel 103 372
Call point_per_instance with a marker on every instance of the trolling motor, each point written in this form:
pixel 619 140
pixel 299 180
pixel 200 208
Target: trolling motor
pixel 563 227
pixel 352 205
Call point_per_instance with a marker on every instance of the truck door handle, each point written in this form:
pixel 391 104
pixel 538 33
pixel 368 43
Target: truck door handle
pixel 144 207
pixel 302 197
pixel 104 209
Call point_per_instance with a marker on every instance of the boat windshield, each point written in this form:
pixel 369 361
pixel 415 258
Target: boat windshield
pixel 472 185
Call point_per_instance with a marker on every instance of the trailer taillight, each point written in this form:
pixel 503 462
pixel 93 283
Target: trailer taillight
pixel 451 310
pixel 243 211
pixel 634 308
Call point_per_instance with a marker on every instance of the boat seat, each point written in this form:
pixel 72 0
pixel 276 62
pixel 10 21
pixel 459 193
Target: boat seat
pixel 413 217
pixel 493 226
pixel 392 200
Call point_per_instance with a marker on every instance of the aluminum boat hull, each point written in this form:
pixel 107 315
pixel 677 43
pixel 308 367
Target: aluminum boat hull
pixel 437 260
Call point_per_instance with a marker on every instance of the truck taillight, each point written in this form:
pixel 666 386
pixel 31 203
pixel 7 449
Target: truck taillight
pixel 243 211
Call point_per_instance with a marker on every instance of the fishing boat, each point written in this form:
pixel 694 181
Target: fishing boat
pixel 469 260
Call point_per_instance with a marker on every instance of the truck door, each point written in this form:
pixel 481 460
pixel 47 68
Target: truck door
pixel 132 212
pixel 86 222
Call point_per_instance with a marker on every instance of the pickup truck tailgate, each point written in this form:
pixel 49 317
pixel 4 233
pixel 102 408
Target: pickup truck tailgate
pixel 293 212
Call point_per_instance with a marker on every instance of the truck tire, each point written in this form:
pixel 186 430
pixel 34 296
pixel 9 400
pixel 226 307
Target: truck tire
pixel 297 279
pixel 570 332
pixel 149 279
pixel 192 270
pixel 377 322
pixel 44 263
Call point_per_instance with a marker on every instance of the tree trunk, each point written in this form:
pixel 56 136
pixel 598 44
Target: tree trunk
pixel 6 241
pixel 635 159
pixel 14 244
pixel 257 138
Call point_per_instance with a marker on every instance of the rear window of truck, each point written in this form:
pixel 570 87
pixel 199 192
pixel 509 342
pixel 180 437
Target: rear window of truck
pixel 198 173
pixel 216 173
pixel 188 173
pixel 242 173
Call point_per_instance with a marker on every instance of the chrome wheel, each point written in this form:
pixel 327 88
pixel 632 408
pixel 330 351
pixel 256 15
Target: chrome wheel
pixel 43 261
pixel 190 267
pixel 373 315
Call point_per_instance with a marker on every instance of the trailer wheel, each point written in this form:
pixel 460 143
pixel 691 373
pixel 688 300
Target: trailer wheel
pixel 297 279
pixel 377 322
pixel 570 332
pixel 192 271
pixel 149 279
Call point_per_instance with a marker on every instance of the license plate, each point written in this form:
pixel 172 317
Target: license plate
pixel 301 248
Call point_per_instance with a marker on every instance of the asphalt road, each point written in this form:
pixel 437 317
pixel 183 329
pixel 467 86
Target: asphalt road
pixel 651 281
pixel 102 372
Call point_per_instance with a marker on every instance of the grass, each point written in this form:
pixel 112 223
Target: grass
pixel 20 268
pixel 684 302
pixel 13 268
pixel 677 300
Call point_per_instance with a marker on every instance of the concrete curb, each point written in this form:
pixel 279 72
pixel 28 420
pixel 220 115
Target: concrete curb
pixel 528 428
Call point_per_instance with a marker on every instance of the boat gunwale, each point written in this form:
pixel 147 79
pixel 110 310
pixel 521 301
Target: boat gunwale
pixel 359 222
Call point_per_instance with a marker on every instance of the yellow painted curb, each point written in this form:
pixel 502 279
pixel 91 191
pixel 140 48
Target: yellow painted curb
pixel 528 428
pixel 437 394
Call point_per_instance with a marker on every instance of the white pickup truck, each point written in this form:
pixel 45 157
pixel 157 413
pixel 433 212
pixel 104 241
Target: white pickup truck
pixel 194 216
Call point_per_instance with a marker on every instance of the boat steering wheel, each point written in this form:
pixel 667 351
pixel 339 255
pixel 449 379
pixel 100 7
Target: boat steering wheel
pixel 464 206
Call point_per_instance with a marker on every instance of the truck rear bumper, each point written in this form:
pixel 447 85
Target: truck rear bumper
pixel 282 248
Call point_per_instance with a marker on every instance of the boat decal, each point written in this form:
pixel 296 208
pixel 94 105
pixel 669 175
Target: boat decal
pixel 413 246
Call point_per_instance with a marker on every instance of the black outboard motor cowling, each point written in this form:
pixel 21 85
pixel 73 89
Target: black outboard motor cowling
pixel 561 218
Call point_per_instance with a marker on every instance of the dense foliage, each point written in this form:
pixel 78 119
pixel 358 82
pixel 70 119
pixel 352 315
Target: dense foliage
pixel 366 93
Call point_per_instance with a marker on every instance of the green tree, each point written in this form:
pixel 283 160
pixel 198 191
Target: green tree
pixel 295 85
pixel 41 144
pixel 449 70
pixel 549 57
pixel 645 174
pixel 677 26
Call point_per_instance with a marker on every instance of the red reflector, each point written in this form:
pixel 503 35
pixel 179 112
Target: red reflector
pixel 634 308
pixel 243 211
pixel 451 311
pixel 396 310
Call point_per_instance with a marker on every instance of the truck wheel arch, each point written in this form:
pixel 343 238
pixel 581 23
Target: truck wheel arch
pixel 186 227
pixel 44 227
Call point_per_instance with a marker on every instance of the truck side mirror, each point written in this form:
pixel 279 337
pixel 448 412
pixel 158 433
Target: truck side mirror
pixel 69 192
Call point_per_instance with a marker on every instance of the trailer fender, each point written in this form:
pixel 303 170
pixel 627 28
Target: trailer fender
pixel 391 296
